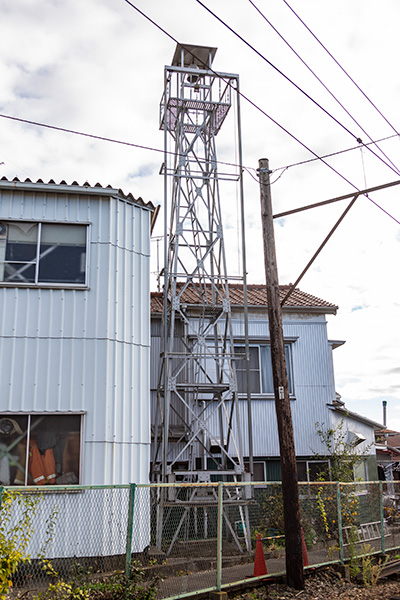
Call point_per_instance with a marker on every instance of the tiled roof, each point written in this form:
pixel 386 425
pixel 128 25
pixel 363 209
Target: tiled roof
pixel 256 297
pixel 63 186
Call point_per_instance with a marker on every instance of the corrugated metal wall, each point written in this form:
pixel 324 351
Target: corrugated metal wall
pixel 86 350
pixel 313 377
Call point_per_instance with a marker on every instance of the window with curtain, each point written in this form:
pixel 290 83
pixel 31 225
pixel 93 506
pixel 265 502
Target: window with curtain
pixel 260 369
pixel 42 253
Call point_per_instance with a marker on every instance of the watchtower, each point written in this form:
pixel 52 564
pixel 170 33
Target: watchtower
pixel 198 434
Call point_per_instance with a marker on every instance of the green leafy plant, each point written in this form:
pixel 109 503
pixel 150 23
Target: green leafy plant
pixel 17 511
pixel 85 586
pixel 354 562
pixel 270 520
pixel 371 569
pixel 343 454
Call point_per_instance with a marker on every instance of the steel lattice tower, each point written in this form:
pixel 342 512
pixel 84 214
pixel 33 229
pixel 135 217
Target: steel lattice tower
pixel 197 423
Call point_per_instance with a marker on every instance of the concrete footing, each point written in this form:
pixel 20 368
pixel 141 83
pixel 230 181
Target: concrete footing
pixel 218 596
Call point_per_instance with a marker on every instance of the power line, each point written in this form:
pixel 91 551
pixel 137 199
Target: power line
pixel 244 96
pixel 249 170
pixel 340 67
pixel 395 170
pixel 106 139
pixel 309 160
pixel 248 99
pixel 322 83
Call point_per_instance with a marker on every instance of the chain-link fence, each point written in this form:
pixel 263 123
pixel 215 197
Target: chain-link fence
pixel 191 537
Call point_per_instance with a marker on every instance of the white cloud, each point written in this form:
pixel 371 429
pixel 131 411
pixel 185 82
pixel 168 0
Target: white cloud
pixel 98 67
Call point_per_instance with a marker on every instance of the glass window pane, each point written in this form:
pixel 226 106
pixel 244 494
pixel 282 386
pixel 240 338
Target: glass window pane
pixel 266 370
pixel 71 235
pixel 13 449
pixel 318 471
pixel 22 233
pixel 62 254
pixel 302 471
pixel 259 471
pixel 18 249
pixel 288 358
pixel 54 450
pixel 254 370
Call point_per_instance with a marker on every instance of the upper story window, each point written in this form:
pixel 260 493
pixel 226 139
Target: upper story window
pixel 42 253
pixel 260 369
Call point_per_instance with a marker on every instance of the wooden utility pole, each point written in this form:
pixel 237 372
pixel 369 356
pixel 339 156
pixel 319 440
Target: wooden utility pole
pixel 290 492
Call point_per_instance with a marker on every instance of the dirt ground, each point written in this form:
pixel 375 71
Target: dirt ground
pixel 328 584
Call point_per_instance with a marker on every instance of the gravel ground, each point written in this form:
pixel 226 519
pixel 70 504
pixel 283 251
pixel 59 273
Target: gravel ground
pixel 328 584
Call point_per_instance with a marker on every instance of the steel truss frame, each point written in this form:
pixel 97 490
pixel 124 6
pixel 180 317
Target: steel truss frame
pixel 197 390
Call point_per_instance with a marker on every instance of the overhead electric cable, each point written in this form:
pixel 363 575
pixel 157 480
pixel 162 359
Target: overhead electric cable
pixel 248 169
pixel 309 160
pixel 395 170
pixel 229 164
pixel 246 98
pixel 323 84
pixel 341 68
pixel 106 139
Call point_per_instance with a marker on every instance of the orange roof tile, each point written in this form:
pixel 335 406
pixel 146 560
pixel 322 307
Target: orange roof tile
pixel 256 297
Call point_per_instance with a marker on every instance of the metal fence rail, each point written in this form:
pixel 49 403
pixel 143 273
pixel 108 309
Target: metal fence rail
pixel 195 537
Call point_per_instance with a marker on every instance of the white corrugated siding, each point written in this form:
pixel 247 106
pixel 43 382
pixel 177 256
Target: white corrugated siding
pixel 314 385
pixel 86 350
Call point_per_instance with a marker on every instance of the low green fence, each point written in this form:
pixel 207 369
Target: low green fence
pixel 193 537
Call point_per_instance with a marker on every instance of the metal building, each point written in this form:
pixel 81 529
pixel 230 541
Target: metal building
pixel 74 334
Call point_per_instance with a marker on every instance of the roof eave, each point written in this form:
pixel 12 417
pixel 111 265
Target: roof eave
pixel 74 188
pixel 355 416
pixel 293 309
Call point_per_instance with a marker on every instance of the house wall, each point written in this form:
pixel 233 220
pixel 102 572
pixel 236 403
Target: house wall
pixel 312 366
pixel 85 350
pixel 313 384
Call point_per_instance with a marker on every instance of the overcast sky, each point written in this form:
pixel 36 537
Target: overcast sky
pixel 97 67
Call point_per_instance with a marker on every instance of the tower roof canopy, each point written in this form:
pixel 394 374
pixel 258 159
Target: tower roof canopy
pixel 201 56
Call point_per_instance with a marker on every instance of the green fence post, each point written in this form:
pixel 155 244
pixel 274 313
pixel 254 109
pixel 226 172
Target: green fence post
pixel 339 520
pixel 129 534
pixel 219 536
pixel 382 517
pixel 1 494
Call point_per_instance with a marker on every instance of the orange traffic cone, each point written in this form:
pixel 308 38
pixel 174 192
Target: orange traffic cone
pixel 304 549
pixel 260 568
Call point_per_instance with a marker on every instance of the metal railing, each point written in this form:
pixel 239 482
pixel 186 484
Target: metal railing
pixel 195 537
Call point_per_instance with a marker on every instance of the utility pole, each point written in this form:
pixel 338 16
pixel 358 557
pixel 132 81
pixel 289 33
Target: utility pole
pixel 290 492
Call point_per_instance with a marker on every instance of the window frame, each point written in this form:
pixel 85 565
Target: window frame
pixel 58 285
pixel 240 346
pixel 29 415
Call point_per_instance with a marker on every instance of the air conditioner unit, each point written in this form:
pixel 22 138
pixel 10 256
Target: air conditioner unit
pixel 354 438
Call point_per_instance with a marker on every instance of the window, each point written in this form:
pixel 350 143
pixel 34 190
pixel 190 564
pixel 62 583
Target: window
pixel 258 470
pixel 260 369
pixel 39 449
pixel 313 470
pixel 42 253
